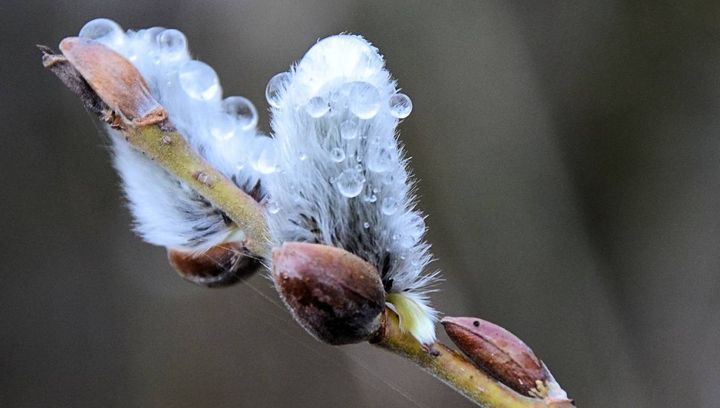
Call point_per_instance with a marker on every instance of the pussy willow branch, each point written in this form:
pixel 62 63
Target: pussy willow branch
pixel 150 132
pixel 454 369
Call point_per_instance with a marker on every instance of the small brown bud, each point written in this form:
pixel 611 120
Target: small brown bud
pixel 336 296
pixel 221 265
pixel 498 352
pixel 115 80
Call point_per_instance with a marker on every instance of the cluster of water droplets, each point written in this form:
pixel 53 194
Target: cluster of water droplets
pixel 347 112
pixel 361 98
pixel 192 89
pixel 355 122
pixel 343 178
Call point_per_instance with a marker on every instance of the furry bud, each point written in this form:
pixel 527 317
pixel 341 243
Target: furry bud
pixel 147 77
pixel 336 296
pixel 219 266
pixel 498 352
pixel 342 178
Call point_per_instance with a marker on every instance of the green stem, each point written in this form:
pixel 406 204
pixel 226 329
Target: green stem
pixel 454 369
pixel 112 88
pixel 169 149
pixel 127 106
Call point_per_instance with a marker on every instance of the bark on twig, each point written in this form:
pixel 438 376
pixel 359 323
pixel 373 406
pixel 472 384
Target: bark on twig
pixel 110 87
pixel 455 370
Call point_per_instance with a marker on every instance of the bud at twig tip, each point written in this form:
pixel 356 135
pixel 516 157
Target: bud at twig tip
pixel 116 81
pixel 504 356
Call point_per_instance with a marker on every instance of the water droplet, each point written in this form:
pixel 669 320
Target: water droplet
pixel 103 30
pixel 416 225
pixel 273 207
pixel 400 105
pixel 366 225
pixel 350 183
pixel 199 80
pixel 337 154
pixel 389 206
pixel 370 198
pixel 317 107
pixel 364 100
pixel 380 160
pixel 172 43
pixel 275 87
pixel 223 127
pixel 265 158
pixel 302 156
pixel 150 35
pixel 242 110
pixel 349 129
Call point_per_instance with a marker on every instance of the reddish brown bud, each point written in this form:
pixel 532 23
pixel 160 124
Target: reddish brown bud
pixel 221 265
pixel 498 352
pixel 115 80
pixel 336 296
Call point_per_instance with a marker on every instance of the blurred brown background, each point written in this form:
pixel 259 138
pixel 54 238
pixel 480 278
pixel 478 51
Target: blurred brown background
pixel 568 158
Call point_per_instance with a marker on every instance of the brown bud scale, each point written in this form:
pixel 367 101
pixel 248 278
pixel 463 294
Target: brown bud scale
pixel 336 296
pixel 498 352
pixel 221 265
pixel 115 80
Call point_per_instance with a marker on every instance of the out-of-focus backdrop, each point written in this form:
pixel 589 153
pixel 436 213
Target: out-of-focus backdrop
pixel 568 157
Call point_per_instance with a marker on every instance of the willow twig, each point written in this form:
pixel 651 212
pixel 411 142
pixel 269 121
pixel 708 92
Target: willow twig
pixel 111 87
pixel 454 369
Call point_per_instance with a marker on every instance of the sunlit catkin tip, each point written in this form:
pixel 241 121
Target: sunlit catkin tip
pixel 116 81
pixel 219 266
pixel 336 296
pixel 498 352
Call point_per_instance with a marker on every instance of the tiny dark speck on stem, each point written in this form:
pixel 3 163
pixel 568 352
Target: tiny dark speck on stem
pixel 203 178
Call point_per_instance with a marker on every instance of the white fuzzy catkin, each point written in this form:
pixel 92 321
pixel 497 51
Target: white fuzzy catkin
pixel 342 178
pixel 335 172
pixel 166 211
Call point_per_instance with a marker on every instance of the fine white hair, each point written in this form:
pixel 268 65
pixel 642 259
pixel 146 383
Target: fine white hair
pixel 166 211
pixel 334 173
pixel 342 178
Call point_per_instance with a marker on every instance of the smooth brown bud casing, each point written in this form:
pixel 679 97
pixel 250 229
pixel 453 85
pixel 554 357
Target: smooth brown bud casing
pixel 221 265
pixel 498 352
pixel 115 80
pixel 336 296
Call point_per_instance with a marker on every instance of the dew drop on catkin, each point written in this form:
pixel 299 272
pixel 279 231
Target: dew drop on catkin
pixel 350 182
pixel 199 80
